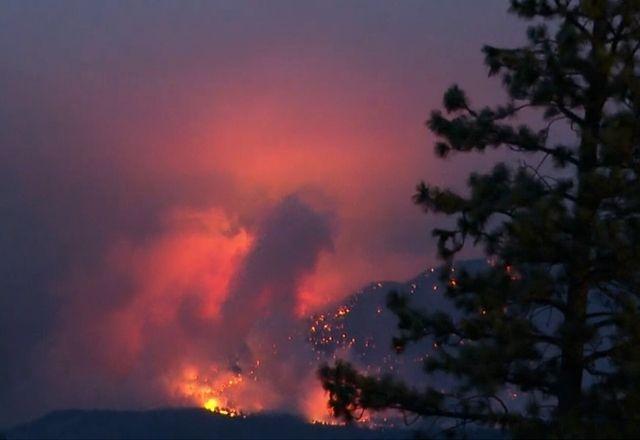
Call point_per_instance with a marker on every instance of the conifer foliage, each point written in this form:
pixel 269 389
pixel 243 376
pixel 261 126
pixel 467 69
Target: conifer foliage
pixel 555 317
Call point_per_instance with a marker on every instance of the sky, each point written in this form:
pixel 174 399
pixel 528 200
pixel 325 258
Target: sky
pixel 179 180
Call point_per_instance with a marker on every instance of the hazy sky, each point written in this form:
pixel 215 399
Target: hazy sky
pixel 160 158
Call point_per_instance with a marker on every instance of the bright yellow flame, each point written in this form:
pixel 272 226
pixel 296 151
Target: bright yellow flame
pixel 212 405
pixel 214 390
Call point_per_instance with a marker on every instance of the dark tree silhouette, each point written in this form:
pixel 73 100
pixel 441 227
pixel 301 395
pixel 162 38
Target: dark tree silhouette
pixel 556 317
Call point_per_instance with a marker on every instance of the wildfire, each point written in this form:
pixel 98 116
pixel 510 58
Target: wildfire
pixel 213 405
pixel 211 390
pixel 242 387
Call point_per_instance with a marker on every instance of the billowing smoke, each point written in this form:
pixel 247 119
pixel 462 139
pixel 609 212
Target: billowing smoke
pixel 287 249
pixel 258 319
pixel 182 183
pixel 205 298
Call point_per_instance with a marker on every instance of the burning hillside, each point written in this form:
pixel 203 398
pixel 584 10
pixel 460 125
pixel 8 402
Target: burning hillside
pixel 357 329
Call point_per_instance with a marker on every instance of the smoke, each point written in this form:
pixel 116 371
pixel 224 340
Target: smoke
pixel 258 320
pixel 287 248
pixel 181 183
pixel 206 294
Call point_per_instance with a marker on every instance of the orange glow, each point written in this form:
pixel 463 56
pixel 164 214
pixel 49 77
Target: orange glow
pixel 180 279
pixel 213 405
pixel 316 407
pixel 169 312
pixel 212 392
pixel 151 174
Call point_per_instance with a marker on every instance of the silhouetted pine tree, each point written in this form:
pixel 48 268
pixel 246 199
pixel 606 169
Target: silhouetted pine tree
pixel 557 316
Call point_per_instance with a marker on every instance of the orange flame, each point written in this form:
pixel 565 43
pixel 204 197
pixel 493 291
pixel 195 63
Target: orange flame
pixel 213 393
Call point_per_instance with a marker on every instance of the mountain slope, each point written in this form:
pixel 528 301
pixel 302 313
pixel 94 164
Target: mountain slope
pixel 186 423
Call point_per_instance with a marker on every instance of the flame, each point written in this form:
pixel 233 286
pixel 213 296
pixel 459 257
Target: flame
pixel 179 282
pixel 211 390
pixel 212 404
pixel 220 390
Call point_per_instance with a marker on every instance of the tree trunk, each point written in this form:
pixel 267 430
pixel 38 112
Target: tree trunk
pixel 571 367
pixel 585 211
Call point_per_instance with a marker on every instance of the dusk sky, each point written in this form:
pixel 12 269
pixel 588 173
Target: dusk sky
pixel 173 172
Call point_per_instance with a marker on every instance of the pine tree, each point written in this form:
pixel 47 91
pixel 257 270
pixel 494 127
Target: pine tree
pixel 556 316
